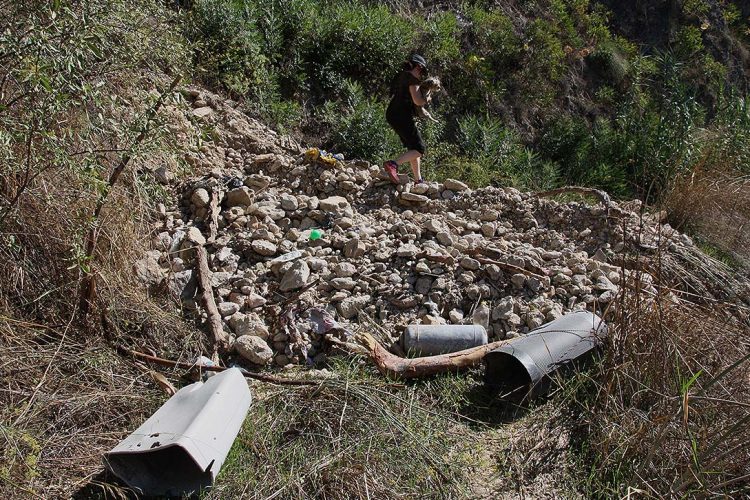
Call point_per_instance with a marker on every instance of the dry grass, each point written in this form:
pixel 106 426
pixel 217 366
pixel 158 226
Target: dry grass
pixel 666 412
pixel 716 208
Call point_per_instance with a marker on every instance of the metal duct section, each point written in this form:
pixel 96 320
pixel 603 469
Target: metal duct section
pixel 522 368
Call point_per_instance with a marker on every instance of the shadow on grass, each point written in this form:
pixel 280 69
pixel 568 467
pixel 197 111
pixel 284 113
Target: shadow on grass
pixel 487 406
pixel 105 486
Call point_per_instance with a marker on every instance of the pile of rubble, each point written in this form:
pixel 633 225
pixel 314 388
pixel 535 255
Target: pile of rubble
pixel 285 231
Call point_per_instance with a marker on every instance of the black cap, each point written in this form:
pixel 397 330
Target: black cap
pixel 417 59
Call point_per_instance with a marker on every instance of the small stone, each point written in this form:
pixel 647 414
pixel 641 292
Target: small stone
pixel 257 182
pixel 349 307
pixel 203 111
pixel 254 300
pixel 334 204
pixel 470 264
pixel 296 277
pixel 263 247
pixel 481 316
pixel 345 283
pixel 289 202
pixel 414 198
pixel 195 236
pixel 456 316
pixel 429 319
pixel 248 324
pixel 518 280
pixel 407 250
pixel 434 226
pixel 354 248
pixel 420 188
pixel 444 238
pixel 488 216
pixel 148 271
pixel 241 196
pixel 422 268
pixel 200 198
pixel 254 349
pixel 227 308
pixel 503 309
pixel 534 319
pixel 423 285
pixel 455 185
pixel 344 270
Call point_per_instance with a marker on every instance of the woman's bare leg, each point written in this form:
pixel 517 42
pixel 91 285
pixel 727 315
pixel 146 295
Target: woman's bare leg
pixel 414 158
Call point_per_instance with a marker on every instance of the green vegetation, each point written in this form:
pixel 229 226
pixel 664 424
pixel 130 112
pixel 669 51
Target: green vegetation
pixel 538 94
pixel 517 81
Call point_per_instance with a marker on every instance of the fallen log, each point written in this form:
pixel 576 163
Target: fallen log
pixel 216 328
pixel 404 368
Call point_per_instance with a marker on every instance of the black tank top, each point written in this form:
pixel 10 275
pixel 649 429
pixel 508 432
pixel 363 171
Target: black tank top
pixel 401 103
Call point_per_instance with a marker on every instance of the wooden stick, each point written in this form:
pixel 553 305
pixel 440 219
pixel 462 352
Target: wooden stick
pixel 213 223
pixel 603 196
pixel 215 325
pixel 404 368
pixel 179 364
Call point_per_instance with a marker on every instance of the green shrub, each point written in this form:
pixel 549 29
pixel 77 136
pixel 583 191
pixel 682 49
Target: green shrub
pixel 609 62
pixel 227 47
pixel 358 128
pixel 357 42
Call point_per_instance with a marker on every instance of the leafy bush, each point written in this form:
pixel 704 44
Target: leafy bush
pixel 227 47
pixel 363 43
pixel 359 128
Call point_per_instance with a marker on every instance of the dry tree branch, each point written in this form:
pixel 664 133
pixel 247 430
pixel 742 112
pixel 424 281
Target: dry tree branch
pixel 403 368
pixel 88 284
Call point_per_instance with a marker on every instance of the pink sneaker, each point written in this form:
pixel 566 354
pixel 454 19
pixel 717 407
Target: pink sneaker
pixel 391 168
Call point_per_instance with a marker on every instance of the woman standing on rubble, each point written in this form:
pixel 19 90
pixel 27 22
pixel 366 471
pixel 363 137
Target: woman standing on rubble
pixel 406 96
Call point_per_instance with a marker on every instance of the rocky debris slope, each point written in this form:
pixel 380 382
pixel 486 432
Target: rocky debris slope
pixel 434 253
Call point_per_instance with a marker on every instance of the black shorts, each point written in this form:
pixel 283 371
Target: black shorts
pixel 407 131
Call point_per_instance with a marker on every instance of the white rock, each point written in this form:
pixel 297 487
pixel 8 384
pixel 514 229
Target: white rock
pixel 334 204
pixel 263 247
pixel 195 236
pixel 254 349
pixel 241 196
pixel 344 270
pixel 296 277
pixel 455 185
pixel 349 307
pixel 414 198
pixel 227 308
pixel 200 198
pixel 248 324
pixel 254 300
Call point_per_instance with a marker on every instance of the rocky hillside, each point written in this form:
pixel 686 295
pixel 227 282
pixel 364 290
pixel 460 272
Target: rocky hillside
pixel 290 229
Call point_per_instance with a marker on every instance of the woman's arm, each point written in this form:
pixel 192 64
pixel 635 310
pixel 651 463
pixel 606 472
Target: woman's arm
pixel 416 95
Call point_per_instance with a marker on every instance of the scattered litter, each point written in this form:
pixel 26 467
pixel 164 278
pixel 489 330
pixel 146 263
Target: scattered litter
pixel 179 450
pixel 204 362
pixel 288 257
pixel 524 366
pixel 431 340
pixel 316 234
pixel 165 384
pixel 323 157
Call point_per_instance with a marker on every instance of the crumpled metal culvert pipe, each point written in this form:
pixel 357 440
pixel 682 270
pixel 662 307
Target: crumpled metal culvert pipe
pixel 179 450
pixel 522 368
